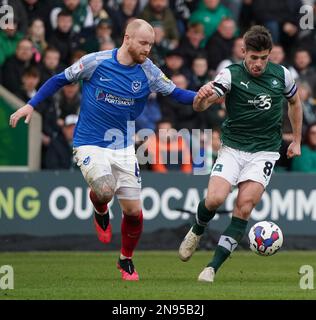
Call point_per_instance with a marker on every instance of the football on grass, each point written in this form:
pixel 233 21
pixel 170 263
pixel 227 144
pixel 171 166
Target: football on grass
pixel 265 238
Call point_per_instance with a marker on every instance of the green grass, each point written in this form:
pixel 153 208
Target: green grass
pixel 93 275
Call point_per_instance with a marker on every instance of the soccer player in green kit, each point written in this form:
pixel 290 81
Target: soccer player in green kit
pixel 251 138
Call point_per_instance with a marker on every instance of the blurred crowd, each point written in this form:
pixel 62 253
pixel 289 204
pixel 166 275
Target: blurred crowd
pixel 194 39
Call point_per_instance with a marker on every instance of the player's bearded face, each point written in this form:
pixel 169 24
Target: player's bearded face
pixel 139 49
pixel 256 62
pixel 138 55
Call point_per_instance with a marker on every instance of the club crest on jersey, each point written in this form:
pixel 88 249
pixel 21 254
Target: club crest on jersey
pixel 86 160
pixel 275 83
pixel 136 85
pixel 99 94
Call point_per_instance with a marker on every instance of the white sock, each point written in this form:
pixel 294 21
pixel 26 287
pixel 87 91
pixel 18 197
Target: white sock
pixel 122 257
pixel 101 213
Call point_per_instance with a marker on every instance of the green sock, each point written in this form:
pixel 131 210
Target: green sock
pixel 203 217
pixel 228 242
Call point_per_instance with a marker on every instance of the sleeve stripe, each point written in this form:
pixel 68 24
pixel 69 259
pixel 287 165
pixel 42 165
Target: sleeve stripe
pixel 289 96
pixel 220 89
pixel 219 92
pixel 286 93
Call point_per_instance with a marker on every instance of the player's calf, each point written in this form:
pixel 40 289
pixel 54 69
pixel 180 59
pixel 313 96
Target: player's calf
pixel 101 219
pixel 202 218
pixel 131 230
pixel 228 242
pixel 99 205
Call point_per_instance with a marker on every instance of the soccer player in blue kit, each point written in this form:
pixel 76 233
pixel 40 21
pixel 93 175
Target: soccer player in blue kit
pixel 116 84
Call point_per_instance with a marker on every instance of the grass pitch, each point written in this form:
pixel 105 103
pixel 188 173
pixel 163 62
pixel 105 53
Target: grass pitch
pixel 93 275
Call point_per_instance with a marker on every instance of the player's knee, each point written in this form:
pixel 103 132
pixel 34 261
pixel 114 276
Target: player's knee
pixel 104 188
pixel 135 212
pixel 104 195
pixel 243 207
pixel 214 200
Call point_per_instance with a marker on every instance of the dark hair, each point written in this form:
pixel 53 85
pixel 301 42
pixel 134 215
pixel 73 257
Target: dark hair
pixel 64 13
pixel 258 38
pixel 301 49
pixel 200 55
pixel 31 71
pixel 51 49
pixel 196 26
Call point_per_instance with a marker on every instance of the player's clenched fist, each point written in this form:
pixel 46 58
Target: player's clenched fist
pixel 26 111
pixel 206 91
pixel 294 150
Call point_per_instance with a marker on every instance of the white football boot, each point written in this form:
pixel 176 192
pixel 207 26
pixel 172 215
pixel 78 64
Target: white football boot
pixel 189 245
pixel 207 275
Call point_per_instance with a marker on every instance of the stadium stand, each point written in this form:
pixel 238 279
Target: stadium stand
pixel 49 36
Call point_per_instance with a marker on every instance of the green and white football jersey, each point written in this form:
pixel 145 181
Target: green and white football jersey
pixel 254 106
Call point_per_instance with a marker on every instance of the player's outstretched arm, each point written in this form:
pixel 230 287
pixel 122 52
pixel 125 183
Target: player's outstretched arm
pixel 197 99
pixel 295 113
pixel 49 88
pixel 183 96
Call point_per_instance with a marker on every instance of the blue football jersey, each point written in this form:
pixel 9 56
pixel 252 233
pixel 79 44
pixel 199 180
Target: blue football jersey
pixel 113 96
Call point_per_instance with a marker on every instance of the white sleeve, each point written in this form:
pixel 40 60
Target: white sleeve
pixel 223 82
pixel 290 85
pixel 83 68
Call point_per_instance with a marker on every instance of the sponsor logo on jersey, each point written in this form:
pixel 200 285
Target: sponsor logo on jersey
pixel 105 79
pixel 261 101
pixel 136 85
pixel 110 98
pixel 245 84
